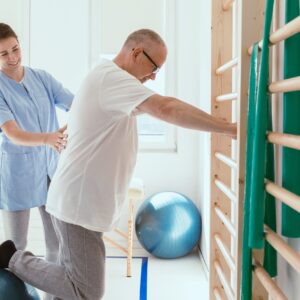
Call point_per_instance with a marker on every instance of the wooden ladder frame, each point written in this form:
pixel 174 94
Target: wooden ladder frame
pixel 135 193
pixel 281 194
pixel 235 26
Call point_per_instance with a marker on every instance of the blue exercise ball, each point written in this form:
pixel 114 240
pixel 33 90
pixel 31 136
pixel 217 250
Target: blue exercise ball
pixel 168 225
pixel 13 288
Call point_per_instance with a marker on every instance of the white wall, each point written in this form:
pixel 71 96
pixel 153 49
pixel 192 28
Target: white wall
pixel 12 13
pixel 179 171
pixel 203 167
pixel 126 20
pixel 59 39
pixel 46 45
pixel 69 51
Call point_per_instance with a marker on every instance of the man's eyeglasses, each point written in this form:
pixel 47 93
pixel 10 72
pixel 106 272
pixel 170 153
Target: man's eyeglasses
pixel 156 67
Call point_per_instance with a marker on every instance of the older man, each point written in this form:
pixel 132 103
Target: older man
pixel 89 187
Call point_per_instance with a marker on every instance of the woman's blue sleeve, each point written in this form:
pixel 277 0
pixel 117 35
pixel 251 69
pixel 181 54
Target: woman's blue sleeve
pixel 5 113
pixel 62 97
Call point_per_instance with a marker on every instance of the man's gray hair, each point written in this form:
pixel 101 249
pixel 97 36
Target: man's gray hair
pixel 144 37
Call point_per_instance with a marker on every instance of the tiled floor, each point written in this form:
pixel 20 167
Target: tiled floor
pixel 156 279
pixel 180 279
pixel 176 279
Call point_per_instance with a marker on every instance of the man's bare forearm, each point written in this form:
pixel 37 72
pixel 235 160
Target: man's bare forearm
pixel 188 116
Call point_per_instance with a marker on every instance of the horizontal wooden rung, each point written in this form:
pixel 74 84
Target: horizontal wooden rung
pixel 120 232
pixel 135 194
pixel 232 63
pixel 227 4
pixel 271 287
pixel 287 85
pixel 284 139
pixel 226 190
pixel 282 33
pixel 286 31
pixel 227 289
pixel 227 97
pixel 115 244
pixel 283 195
pixel 250 49
pixel 288 253
pixel 226 221
pixel 225 252
pixel 227 160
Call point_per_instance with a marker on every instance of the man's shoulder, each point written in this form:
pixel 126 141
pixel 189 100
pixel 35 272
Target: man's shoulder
pixel 104 65
pixel 109 72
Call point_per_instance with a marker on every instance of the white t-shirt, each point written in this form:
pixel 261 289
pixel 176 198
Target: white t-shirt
pixel 91 182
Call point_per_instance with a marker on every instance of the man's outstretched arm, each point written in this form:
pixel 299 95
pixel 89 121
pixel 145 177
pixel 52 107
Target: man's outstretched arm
pixel 177 112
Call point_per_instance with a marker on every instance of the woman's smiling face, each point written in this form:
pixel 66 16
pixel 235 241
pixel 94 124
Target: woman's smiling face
pixel 10 55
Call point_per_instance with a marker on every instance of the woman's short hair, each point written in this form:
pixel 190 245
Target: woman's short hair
pixel 6 32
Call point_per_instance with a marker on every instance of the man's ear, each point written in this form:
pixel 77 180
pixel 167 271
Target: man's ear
pixel 136 52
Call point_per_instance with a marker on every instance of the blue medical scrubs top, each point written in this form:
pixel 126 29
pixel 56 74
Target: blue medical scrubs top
pixel 23 169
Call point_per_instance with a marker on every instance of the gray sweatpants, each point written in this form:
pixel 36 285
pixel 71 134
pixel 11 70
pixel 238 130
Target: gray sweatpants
pixel 79 273
pixel 15 225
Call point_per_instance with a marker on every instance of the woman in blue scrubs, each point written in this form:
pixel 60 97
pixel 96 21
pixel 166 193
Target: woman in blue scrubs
pixel 30 141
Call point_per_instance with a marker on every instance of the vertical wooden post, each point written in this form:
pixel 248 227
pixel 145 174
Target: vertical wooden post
pixel 250 20
pixel 130 236
pixel 221 53
pixel 251 23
